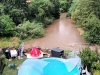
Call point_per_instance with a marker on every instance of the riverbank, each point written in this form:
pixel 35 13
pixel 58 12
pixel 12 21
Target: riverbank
pixel 61 33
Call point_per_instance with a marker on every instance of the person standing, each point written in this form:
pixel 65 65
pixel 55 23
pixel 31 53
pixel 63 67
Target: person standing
pixel 22 50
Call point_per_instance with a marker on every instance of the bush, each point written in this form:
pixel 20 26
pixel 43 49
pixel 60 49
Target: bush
pixel 97 72
pixel 48 20
pixel 44 9
pixel 73 7
pixel 6 26
pixel 88 56
pixel 91 25
pixel 17 15
pixel 95 66
pixel 63 6
pixel 27 29
pixel 86 14
pixel 1 9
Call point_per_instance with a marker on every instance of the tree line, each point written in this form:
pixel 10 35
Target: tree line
pixel 86 15
pixel 24 19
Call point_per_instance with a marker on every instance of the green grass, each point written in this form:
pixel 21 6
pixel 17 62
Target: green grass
pixel 9 42
pixel 97 72
pixel 8 71
pixel 12 41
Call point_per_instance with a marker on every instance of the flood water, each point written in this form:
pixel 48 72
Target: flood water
pixel 61 33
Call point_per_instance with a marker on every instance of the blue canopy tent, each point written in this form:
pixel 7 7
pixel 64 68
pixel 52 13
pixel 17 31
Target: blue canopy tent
pixel 51 66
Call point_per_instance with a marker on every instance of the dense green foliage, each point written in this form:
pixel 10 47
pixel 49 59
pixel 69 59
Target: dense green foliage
pixel 89 56
pixel 27 29
pixel 92 29
pixel 13 13
pixel 86 14
pixel 72 7
pixel 44 12
pixel 6 25
pixel 56 13
pixel 65 5
pixel 95 66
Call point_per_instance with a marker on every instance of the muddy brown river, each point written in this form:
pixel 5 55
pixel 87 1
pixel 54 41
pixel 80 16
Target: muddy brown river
pixel 61 33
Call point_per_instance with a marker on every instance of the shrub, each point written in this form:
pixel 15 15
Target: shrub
pixel 95 66
pixel 6 26
pixel 97 72
pixel 91 25
pixel 1 9
pixel 73 7
pixel 63 6
pixel 86 14
pixel 88 56
pixel 47 20
pixel 27 29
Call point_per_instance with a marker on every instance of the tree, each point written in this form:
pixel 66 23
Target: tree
pixel 73 7
pixel 55 13
pixel 42 11
pixel 6 26
pixel 86 14
pixel 88 56
pixel 2 7
pixel 92 29
pixel 17 15
pixel 46 10
pixel 63 5
pixel 18 10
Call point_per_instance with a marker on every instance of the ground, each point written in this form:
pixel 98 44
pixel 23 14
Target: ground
pixel 8 71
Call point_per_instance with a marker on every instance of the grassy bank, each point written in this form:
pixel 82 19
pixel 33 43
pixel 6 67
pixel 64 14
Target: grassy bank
pixel 9 42
pixel 8 71
pixel 12 41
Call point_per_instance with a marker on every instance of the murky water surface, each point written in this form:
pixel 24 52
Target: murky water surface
pixel 61 33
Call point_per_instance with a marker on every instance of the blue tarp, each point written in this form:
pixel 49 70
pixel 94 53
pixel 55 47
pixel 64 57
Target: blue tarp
pixel 50 66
